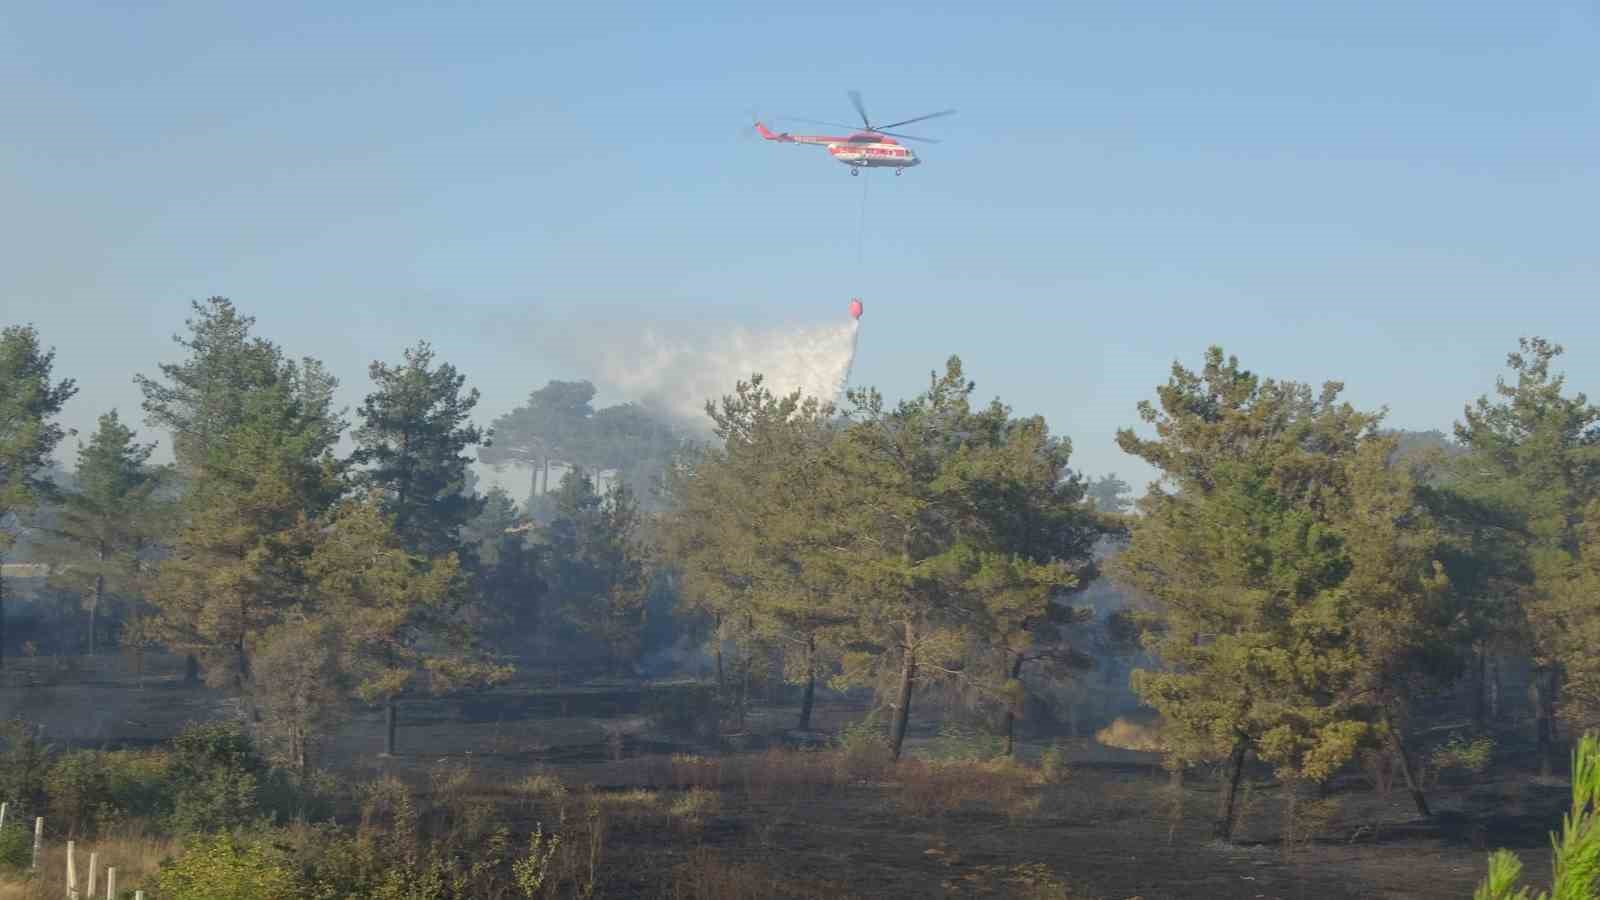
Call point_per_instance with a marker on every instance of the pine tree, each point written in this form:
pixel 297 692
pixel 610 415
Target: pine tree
pixel 742 524
pixel 935 534
pixel 411 444
pixel 413 434
pixel 201 400
pixel 203 397
pixel 1245 549
pixel 506 572
pixel 29 402
pixel 236 564
pixel 1109 494
pixel 597 565
pixel 107 519
pixel 394 611
pixel 1535 456
pixel 553 426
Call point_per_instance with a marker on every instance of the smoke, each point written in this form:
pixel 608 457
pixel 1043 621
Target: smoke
pixel 678 375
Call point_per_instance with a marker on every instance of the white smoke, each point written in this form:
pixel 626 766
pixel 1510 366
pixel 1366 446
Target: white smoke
pixel 679 375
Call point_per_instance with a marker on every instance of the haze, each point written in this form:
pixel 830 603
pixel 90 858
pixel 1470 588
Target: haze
pixel 1387 195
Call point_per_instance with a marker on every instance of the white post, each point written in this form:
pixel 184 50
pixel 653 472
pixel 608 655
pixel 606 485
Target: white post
pixel 2 816
pixel 138 895
pixel 111 883
pixel 94 866
pixel 38 840
pixel 72 873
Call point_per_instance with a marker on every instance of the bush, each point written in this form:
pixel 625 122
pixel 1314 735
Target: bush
pixel 963 743
pixel 137 781
pixel 1461 755
pixel 79 791
pixel 863 750
pixel 223 867
pixel 16 848
pixel 23 764
pixel 1053 767
pixel 215 778
pixel 689 711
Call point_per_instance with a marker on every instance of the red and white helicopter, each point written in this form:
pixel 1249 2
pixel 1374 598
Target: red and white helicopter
pixel 873 147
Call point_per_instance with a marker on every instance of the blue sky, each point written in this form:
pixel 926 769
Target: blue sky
pixel 1388 194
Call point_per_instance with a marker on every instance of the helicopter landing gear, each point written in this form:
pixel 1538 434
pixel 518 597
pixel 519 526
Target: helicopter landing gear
pixel 897 172
pixel 855 170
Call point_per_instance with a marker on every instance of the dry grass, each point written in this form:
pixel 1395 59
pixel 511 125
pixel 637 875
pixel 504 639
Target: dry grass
pixel 135 855
pixel 689 771
pixel 1126 734
pixel 1030 881
pixel 786 775
pixel 934 789
pixel 708 875
pixel 633 806
pixel 690 811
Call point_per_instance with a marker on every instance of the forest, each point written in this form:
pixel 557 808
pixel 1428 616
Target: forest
pixel 840 647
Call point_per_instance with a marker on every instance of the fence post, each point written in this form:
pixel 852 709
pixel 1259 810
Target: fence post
pixel 72 872
pixel 3 816
pixel 111 883
pixel 38 840
pixel 94 865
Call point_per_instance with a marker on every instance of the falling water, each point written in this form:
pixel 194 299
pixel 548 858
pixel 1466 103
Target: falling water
pixel 680 376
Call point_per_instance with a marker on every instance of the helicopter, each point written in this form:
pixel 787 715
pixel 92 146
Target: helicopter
pixel 871 148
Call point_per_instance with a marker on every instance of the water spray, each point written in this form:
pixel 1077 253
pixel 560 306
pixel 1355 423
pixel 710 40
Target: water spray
pixel 679 376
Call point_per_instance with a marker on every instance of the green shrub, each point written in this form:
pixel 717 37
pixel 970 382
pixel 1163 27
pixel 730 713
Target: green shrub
pixel 963 743
pixel 218 801
pixel 24 760
pixel 223 867
pixel 215 778
pixel 865 735
pixel 690 711
pixel 138 781
pixel 1461 755
pixel 79 791
pixel 16 847
pixel 1053 765
pixel 199 750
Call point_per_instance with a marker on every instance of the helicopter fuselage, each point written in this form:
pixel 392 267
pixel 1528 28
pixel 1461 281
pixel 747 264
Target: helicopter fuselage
pixel 863 150
pixel 873 151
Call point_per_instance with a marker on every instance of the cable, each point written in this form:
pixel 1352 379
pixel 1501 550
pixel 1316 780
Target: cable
pixel 861 225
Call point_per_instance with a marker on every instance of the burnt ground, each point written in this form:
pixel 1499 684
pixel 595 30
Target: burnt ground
pixel 1108 828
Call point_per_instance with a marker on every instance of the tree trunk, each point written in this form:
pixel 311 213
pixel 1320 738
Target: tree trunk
pixel 908 678
pixel 191 669
pixel 744 687
pixel 1227 813
pixel 1011 711
pixel 809 697
pixel 1404 757
pixel 2 615
pixel 1496 706
pixel 545 487
pixel 1548 736
pixel 1480 692
pixel 300 760
pixel 716 641
pixel 389 723
pixel 1544 708
pixel 94 602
